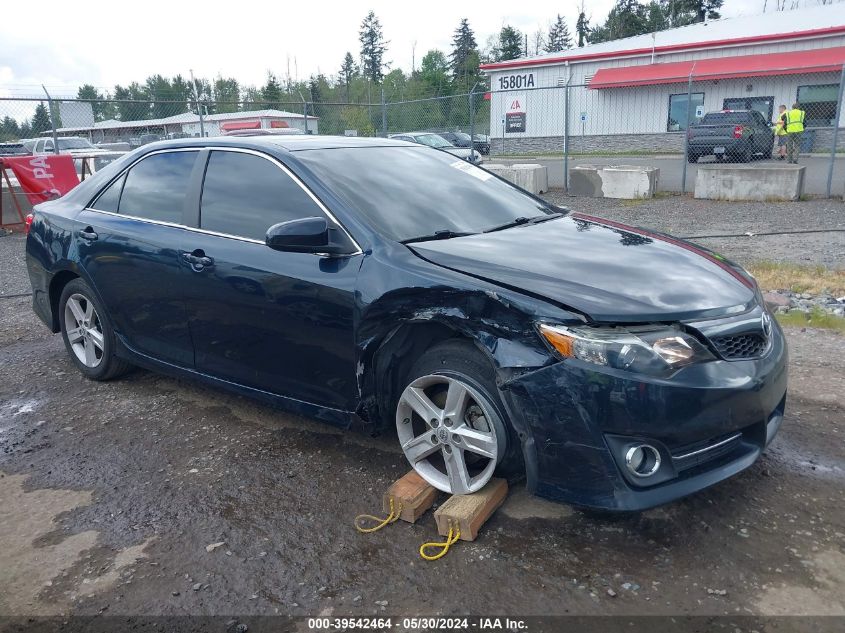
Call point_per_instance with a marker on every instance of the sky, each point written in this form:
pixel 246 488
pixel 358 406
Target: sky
pixel 104 43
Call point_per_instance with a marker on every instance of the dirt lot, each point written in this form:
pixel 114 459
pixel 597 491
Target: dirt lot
pixel 111 493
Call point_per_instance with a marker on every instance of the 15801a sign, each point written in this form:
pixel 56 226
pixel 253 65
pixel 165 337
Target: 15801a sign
pixel 511 82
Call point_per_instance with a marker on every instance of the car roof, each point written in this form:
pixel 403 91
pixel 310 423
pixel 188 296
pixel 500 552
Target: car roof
pixel 291 142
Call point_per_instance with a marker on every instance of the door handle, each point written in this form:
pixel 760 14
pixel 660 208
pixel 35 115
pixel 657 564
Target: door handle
pixel 87 234
pixel 198 260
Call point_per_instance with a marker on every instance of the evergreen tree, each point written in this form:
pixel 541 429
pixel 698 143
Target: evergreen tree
pixel 582 28
pixel 9 129
pixel 271 93
pixel 40 120
pixel 698 10
pixel 510 43
pixel 348 72
pixel 626 18
pixel 559 38
pixel 227 94
pixel 373 47
pixel 463 60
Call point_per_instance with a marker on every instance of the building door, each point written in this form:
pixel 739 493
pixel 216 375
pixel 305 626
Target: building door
pixel 763 105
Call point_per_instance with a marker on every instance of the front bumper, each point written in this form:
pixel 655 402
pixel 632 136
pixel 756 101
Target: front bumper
pixel 708 421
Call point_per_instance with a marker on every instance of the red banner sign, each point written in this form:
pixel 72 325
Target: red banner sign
pixel 43 177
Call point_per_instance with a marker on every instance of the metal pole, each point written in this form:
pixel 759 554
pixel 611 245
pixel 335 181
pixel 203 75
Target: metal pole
pixel 566 133
pixel 52 120
pixel 472 121
pixel 836 118
pixel 199 107
pixel 383 114
pixel 686 134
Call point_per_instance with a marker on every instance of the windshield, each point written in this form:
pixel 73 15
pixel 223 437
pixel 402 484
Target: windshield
pixel 433 140
pixel 462 136
pixel 408 192
pixel 74 143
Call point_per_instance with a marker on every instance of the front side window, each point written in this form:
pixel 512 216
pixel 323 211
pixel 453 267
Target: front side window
pixel 156 187
pixel 678 114
pixel 819 104
pixel 244 195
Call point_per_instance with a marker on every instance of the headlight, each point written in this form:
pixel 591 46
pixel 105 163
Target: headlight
pixel 656 350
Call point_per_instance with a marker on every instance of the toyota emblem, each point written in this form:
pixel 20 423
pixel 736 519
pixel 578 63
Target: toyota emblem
pixel 766 324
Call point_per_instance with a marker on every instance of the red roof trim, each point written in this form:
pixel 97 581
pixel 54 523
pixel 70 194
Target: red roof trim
pixel 815 60
pixel 517 63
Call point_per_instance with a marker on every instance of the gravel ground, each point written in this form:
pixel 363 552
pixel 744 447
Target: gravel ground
pixel 112 492
pixel 687 217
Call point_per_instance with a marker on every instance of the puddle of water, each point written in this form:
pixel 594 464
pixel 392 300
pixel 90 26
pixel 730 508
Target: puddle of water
pixel 27 568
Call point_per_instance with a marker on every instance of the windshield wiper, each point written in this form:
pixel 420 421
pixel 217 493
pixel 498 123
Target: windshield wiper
pixel 522 220
pixel 437 235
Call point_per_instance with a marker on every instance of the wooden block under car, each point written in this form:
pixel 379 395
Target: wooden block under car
pixel 470 512
pixel 414 493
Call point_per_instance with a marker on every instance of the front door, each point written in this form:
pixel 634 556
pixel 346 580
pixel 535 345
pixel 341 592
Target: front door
pixel 129 243
pixel 274 321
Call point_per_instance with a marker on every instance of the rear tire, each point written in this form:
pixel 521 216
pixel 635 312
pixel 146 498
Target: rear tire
pixel 88 333
pixel 475 435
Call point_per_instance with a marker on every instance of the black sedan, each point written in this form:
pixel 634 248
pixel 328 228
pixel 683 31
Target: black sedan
pixel 382 284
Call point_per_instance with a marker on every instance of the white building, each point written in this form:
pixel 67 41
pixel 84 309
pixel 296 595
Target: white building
pixel 632 93
pixel 189 123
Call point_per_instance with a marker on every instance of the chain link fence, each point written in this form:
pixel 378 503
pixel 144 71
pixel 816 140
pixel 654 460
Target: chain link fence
pixel 578 120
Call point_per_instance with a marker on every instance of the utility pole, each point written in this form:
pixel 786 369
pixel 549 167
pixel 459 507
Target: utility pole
pixel 199 107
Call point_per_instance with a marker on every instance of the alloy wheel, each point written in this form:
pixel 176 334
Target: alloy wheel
pixel 447 431
pixel 84 330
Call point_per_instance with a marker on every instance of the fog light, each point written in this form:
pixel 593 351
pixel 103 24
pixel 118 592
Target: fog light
pixel 642 460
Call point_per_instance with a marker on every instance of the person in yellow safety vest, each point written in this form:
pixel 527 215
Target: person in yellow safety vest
pixel 794 131
pixel 780 132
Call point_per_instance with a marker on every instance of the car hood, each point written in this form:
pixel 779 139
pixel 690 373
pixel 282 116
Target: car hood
pixel 602 269
pixel 463 152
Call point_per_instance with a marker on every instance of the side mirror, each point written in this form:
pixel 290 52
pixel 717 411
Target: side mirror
pixel 306 235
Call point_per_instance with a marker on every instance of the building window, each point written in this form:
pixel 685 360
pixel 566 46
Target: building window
pixel 678 110
pixel 819 102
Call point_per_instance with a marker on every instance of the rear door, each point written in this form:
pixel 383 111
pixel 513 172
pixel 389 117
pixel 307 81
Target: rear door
pixel 129 243
pixel 274 321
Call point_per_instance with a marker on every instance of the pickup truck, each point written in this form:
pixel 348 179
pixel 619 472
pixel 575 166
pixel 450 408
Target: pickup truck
pixel 737 135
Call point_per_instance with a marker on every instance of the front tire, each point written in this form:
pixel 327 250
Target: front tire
pixel 451 422
pixel 88 334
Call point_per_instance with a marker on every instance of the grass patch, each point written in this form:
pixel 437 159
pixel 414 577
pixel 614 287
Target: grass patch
pixel 799 278
pixel 817 318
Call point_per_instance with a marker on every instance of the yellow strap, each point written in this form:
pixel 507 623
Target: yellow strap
pixel 451 539
pixel 380 523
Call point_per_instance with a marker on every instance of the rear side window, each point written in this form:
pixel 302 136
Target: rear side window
pixel 110 198
pixel 155 188
pixel 244 195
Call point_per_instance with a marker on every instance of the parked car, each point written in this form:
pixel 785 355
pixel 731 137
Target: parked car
pixel 730 135
pixel 13 149
pixel 481 142
pixel 377 283
pixel 67 145
pixel 438 142
pixel 458 139
pixel 88 158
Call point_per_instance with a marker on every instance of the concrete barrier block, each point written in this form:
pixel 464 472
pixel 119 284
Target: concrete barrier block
pixel 749 182
pixel 613 181
pixel 531 177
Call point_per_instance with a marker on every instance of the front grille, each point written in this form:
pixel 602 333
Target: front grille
pixel 740 346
